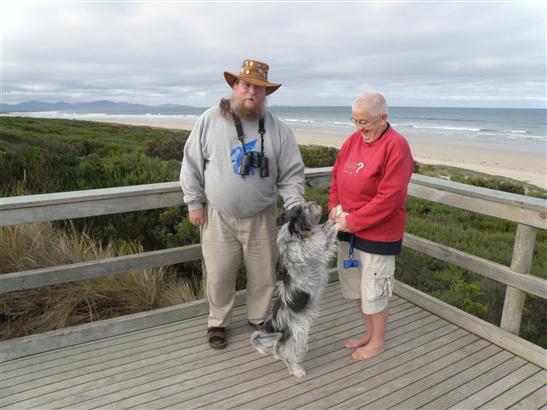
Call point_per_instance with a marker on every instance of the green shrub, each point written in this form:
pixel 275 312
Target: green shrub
pixel 316 156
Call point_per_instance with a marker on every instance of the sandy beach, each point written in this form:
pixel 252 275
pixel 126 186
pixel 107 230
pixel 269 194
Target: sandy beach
pixel 521 166
pixel 526 167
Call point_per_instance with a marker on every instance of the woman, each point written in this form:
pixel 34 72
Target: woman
pixel 369 182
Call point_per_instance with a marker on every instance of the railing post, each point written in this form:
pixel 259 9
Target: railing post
pixel 523 250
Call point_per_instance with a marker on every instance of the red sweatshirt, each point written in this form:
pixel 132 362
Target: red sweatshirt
pixel 370 182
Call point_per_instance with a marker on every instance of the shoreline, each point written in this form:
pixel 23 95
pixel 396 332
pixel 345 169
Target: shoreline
pixel 524 167
pixel 521 166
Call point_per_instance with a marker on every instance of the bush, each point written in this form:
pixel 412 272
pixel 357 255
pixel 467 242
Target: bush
pixel 315 156
pixel 165 148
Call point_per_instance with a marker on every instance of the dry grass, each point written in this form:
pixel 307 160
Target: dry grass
pixel 25 247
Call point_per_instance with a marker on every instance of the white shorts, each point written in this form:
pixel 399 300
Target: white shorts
pixel 371 281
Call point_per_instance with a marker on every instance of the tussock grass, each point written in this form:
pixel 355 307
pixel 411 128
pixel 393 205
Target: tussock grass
pixel 25 247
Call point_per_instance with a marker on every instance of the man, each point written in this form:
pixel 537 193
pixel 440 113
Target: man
pixel 370 180
pixel 236 160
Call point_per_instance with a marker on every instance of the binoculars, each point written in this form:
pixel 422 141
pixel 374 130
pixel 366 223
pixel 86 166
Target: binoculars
pixel 256 160
pixel 351 263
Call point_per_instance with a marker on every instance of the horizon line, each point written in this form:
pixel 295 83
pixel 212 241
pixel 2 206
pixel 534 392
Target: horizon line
pixel 269 106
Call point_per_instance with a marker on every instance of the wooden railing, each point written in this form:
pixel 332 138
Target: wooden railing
pixel 529 213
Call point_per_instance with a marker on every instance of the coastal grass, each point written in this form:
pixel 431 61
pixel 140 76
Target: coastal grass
pixel 25 247
pixel 44 155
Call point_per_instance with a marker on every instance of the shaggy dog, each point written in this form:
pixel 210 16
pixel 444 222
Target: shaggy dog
pixel 305 248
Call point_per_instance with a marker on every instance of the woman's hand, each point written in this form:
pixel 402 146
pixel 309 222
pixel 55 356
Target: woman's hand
pixel 342 224
pixel 333 214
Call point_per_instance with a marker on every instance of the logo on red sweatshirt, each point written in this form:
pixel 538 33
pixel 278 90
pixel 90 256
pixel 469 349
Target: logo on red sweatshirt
pixel 352 168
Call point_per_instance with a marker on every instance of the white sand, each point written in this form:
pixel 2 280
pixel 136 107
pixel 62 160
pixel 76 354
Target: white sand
pixel 521 166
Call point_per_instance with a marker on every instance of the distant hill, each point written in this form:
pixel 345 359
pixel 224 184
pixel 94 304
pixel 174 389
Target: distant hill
pixel 105 106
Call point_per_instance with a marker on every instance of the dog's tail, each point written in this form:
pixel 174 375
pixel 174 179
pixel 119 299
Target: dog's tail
pixel 262 340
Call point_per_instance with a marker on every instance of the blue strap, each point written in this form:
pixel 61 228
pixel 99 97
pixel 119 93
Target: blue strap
pixel 351 263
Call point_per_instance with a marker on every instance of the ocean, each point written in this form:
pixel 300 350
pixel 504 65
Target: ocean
pixel 522 130
pixel 518 130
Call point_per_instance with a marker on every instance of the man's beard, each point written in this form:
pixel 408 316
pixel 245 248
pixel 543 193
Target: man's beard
pixel 255 113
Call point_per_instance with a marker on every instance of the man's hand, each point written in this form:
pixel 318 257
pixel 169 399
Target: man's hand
pixel 197 216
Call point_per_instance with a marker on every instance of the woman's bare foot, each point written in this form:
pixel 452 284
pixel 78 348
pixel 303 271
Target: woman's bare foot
pixel 366 352
pixel 359 342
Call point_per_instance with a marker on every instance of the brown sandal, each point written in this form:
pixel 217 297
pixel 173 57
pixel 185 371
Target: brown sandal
pixel 257 326
pixel 216 337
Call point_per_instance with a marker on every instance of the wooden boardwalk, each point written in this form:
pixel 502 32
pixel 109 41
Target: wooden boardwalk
pixel 428 363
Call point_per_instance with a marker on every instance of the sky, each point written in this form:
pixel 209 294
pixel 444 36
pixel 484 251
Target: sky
pixel 428 53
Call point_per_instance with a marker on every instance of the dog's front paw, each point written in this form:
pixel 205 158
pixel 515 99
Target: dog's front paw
pixel 261 350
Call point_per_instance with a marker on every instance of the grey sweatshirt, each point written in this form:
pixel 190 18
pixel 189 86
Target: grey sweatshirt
pixel 212 157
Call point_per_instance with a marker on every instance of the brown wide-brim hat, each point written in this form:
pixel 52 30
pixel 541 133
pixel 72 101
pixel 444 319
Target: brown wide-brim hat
pixel 253 72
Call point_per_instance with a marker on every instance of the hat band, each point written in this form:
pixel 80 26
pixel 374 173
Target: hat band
pixel 254 75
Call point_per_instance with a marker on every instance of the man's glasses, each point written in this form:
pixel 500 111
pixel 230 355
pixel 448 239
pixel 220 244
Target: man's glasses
pixel 246 86
pixel 364 123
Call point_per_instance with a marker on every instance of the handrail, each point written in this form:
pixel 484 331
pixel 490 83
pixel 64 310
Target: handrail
pixel 67 205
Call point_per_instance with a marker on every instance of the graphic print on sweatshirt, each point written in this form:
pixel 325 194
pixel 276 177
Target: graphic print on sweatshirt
pixel 353 168
pixel 237 157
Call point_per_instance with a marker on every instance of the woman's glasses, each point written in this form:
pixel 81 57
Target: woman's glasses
pixel 364 123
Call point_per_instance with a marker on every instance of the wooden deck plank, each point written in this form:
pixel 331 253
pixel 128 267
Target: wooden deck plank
pixel 418 385
pixel 244 394
pixel 98 363
pixel 122 345
pixel 180 380
pixel 186 328
pixel 442 387
pixel 493 390
pixel 332 293
pixel 43 359
pixel 111 375
pixel 535 400
pixel 330 353
pixel 194 346
pixel 403 353
pixel 288 393
pixel 180 335
pixel 456 394
pixel 517 393
pixel 428 363
pixel 359 393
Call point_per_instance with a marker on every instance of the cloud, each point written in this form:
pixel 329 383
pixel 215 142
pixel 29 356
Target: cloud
pixel 323 53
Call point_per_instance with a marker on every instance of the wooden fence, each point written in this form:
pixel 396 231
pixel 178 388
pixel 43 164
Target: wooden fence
pixel 529 213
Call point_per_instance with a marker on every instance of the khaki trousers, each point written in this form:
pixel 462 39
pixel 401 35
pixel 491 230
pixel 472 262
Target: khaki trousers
pixel 225 239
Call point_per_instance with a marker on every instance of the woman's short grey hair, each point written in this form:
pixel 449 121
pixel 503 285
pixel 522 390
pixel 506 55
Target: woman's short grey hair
pixel 375 103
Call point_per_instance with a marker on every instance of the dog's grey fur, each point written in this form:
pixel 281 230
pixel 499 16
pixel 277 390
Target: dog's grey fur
pixel 305 248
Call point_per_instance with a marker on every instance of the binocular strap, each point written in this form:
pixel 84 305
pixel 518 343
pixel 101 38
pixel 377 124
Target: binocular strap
pixel 241 138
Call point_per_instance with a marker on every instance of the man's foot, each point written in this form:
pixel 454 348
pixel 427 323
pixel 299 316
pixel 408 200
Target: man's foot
pixel 216 337
pixel 366 352
pixel 256 326
pixel 359 342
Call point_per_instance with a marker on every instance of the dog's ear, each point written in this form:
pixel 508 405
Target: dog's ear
pixel 299 224
pixel 288 215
